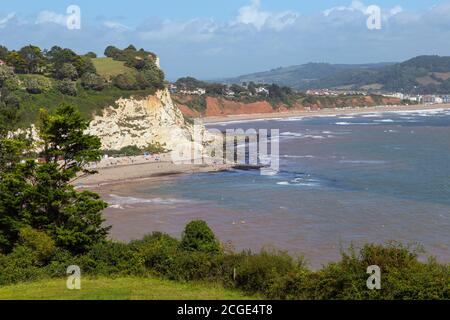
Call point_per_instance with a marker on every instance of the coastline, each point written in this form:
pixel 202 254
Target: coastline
pixel 319 113
pixel 127 170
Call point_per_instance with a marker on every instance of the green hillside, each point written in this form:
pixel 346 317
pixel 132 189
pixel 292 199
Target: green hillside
pixel 109 68
pixel 131 288
pixel 422 75
pixel 33 78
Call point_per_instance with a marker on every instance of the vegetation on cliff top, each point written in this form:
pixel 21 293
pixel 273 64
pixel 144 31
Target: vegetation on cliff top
pixel 33 78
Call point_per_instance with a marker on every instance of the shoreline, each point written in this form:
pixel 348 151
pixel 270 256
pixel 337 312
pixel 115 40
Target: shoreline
pixel 135 170
pixel 319 113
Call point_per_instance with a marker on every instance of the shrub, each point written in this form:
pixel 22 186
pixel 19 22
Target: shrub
pixel 402 276
pixel 66 71
pixel 197 236
pixel 125 82
pixel 39 242
pixel 67 87
pixel 195 265
pixel 5 74
pixel 37 85
pixel 112 258
pixel 157 252
pixel 19 266
pixel 264 272
pixel 92 81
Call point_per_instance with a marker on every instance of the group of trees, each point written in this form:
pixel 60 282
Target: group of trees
pixel 60 63
pixel 39 195
pixel 147 76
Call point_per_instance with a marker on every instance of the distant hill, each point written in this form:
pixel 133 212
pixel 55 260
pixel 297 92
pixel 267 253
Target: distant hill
pixel 423 74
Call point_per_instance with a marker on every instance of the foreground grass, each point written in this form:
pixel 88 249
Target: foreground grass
pixel 118 289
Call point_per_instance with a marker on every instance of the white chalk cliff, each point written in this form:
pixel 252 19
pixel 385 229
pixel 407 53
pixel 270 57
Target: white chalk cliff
pixel 140 122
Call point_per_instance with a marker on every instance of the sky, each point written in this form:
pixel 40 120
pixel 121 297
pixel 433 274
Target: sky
pixel 211 39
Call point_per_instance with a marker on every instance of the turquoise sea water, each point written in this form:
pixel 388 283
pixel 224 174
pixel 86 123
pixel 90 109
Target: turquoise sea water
pixel 343 179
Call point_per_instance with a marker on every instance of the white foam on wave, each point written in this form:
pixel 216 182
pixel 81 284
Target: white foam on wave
pixel 372 115
pixel 384 120
pixel 362 161
pixel 299 157
pixel 314 136
pixel 117 201
pixel 355 123
pixel 347 117
pixel 291 134
pixel 300 182
pixel 291 119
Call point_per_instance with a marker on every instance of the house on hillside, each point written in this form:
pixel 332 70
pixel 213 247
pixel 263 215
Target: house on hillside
pixel 2 63
pixel 197 91
pixel 262 90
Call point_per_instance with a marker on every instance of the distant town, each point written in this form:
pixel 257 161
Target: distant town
pixel 252 89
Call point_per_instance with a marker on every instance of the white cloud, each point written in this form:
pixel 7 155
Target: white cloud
pixel 252 15
pixel 51 17
pixel 4 21
pixel 116 26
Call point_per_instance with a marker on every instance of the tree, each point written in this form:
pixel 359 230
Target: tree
pixel 34 59
pixel 91 55
pixel 66 71
pixel 68 87
pixel 40 195
pixel 37 85
pixel 3 53
pixel 197 236
pixel 5 74
pixel 112 52
pixel 92 81
pixel 125 82
pixel 16 60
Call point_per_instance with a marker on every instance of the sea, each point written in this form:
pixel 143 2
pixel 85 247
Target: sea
pixel 343 181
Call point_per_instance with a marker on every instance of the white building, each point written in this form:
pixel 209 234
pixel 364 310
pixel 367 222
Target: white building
pixel 262 90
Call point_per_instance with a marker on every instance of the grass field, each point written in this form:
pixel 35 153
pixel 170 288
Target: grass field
pixel 107 67
pixel 118 289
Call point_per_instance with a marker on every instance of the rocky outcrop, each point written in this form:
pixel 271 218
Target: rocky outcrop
pixel 140 122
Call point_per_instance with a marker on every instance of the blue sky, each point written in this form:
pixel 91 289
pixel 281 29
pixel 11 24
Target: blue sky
pixel 217 38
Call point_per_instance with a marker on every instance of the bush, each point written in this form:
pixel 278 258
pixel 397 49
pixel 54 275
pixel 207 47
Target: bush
pixel 157 251
pixel 125 82
pixel 402 276
pixel 197 236
pixel 5 74
pixel 68 87
pixel 37 85
pixel 66 71
pixel 92 81
pixel 264 272
pixel 195 265
pixel 19 266
pixel 39 242
pixel 112 258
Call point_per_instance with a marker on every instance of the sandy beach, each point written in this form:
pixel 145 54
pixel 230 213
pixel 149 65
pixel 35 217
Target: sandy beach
pixel 124 170
pixel 322 112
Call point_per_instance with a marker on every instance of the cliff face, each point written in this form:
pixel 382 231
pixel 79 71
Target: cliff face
pixel 139 122
pixel 221 106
